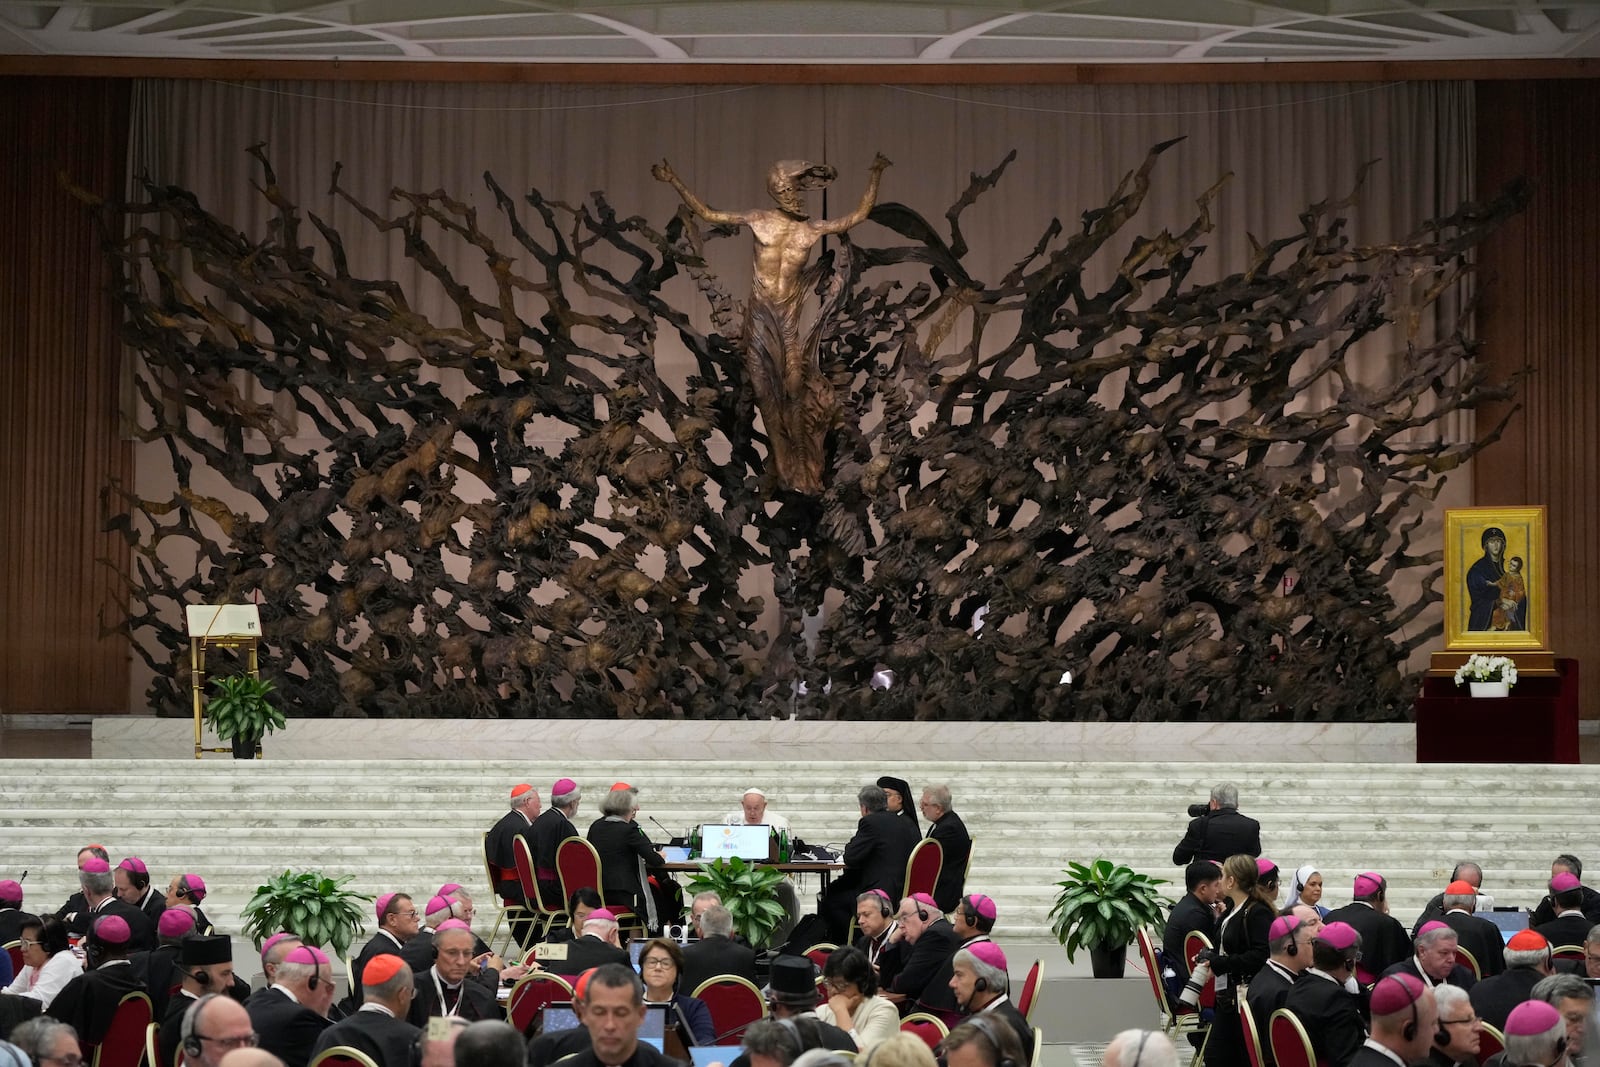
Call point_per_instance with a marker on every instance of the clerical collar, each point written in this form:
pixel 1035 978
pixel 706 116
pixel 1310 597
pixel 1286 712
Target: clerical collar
pixel 373 1005
pixel 1281 969
pixel 1001 999
pixel 439 987
pixel 1324 974
pixel 1427 979
pixel 285 990
pixel 1385 1050
pixel 391 937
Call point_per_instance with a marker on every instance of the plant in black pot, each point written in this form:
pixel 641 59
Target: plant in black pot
pixel 1100 907
pixel 240 712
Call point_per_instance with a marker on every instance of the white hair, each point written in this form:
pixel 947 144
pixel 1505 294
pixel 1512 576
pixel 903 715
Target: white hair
pixel 1433 937
pixel 1140 1048
pixel 998 981
pixel 1465 901
pixel 1535 1048
pixel 1226 795
pixel 1449 998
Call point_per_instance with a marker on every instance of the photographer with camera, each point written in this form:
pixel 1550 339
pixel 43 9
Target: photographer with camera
pixel 1217 830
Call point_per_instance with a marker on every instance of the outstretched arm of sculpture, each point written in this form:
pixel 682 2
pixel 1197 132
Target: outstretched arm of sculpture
pixel 868 198
pixel 663 172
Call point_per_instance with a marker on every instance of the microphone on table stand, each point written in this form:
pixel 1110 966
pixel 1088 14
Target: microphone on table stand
pixel 672 839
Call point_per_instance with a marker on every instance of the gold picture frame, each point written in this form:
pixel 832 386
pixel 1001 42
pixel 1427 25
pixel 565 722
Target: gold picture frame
pixel 1496 605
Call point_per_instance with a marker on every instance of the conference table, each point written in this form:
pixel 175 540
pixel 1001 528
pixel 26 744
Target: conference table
pixel 822 869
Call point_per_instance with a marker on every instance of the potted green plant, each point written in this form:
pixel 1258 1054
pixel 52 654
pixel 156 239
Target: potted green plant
pixel 316 908
pixel 1489 676
pixel 241 713
pixel 749 892
pixel 1100 907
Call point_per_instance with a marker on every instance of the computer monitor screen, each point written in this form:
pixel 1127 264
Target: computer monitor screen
pixel 745 842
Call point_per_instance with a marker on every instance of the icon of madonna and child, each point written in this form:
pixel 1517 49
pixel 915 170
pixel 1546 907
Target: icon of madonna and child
pixel 1497 587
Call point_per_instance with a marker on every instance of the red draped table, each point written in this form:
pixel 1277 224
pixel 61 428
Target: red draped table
pixel 1537 723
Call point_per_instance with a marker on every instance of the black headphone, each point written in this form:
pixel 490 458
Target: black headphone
pixel 985 1026
pixel 311 983
pixel 201 977
pixel 885 905
pixel 192 1045
pixel 922 912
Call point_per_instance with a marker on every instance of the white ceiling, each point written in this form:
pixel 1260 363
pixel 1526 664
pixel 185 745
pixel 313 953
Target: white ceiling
pixel 807 31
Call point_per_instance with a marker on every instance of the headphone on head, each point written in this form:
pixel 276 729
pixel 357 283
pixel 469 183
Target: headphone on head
pixel 192 1045
pixel 922 911
pixel 885 905
pixel 202 977
pixel 985 1026
pixel 1441 1036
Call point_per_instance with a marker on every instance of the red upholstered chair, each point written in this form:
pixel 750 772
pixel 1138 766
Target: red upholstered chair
pixel 578 864
pixel 342 1056
pixel 1252 1036
pixel 1029 995
pixel 819 953
pixel 922 869
pixel 1174 1023
pixel 1469 961
pixel 1567 952
pixel 930 1028
pixel 1491 1041
pixel 1291 1046
pixel 533 992
pixel 123 1045
pixel 506 909
pixel 152 1048
pixel 1193 942
pixel 15 949
pixel 734 1003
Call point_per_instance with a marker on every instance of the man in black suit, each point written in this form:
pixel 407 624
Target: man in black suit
pixel 379 1028
pixel 1570 925
pixel 1466 871
pixel 598 945
pixel 946 827
pixel 205 964
pixel 1404 1022
pixel 981 982
pixel 88 1002
pixel 1527 961
pixel 1460 1028
pixel 716 952
pixel 612 1009
pixel 1433 960
pixel 875 858
pixel 100 899
pixel 1219 831
pixel 187 891
pixel 398 922
pixel 1383 940
pixel 453 985
pixel 933 942
pixel 158 968
pixel 131 881
pixel 1478 936
pixel 1196 911
pixel 12 917
pixel 1568 864
pixel 76 905
pixel 498 845
pixel 973 921
pixel 211 1027
pixel 1289 941
pixel 291 1013
pixel 1323 1000
pixel 553 826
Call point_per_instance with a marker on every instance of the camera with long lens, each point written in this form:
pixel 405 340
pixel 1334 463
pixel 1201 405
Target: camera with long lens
pixel 1198 810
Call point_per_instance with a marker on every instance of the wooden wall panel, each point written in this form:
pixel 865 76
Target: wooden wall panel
pixel 1542 311
pixel 59 355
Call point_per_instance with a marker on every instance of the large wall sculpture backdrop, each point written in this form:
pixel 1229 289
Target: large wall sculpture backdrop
pixel 487 445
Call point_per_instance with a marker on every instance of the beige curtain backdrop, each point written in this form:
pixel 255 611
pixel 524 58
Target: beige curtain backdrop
pixel 1285 146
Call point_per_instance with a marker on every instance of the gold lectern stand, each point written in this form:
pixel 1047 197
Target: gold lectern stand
pixel 224 626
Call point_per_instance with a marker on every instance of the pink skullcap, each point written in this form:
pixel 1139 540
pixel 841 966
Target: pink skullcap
pixel 175 922
pixel 982 905
pixel 602 914
pixel 620 785
pixel 988 952
pixel 449 889
pixel 881 893
pixel 11 890
pixel 197 887
pixel 1395 992
pixel 1338 935
pixel 96 865
pixel 380 969
pixel 457 924
pixel 1527 941
pixel 563 786
pixel 134 864
pixel 1429 927
pixel 381 905
pixel 1530 1018
pixel 519 789
pixel 1368 883
pixel 306 954
pixel 439 903
pixel 266 946
pixel 1564 881
pixel 1265 866
pixel 926 901
pixel 113 929
pixel 1283 924
pixel 1460 888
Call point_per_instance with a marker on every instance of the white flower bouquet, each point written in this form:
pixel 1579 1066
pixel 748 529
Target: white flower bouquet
pixel 1487 669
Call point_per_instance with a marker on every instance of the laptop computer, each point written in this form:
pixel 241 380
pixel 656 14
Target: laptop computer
pixel 1509 922
pixel 721 841
pixel 675 853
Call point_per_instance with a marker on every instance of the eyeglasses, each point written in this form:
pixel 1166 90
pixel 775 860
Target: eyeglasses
pixel 1471 1020
pixel 244 1041
pixel 412 914
pixel 660 962
pixel 25 943
pixel 838 985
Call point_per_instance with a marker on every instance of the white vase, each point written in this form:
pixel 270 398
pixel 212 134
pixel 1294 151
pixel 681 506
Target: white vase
pixel 1490 689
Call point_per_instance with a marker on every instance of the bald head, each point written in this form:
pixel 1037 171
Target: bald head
pixel 250 1057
